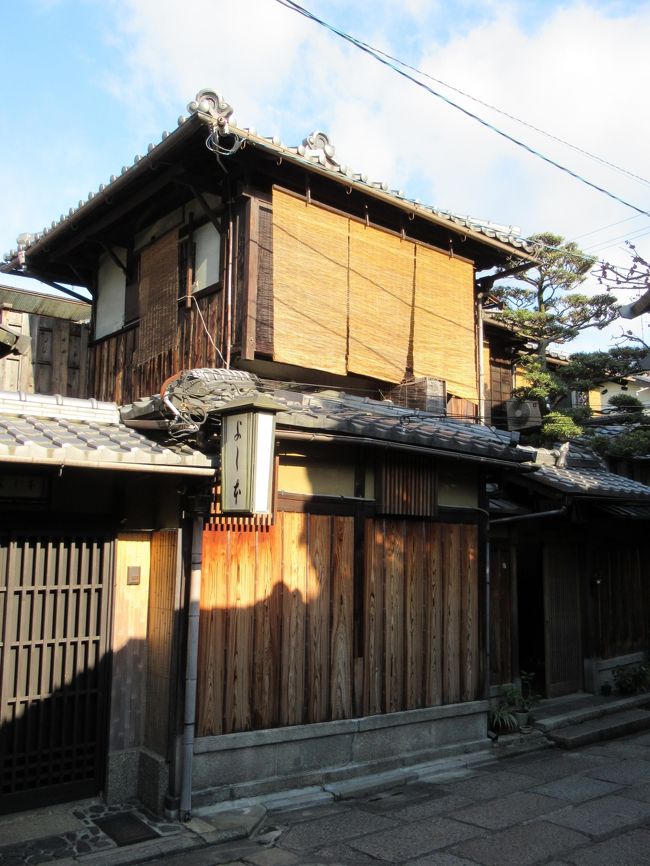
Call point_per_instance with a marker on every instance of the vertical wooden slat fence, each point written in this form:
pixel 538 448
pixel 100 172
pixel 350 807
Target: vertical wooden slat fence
pixel 563 627
pixel 501 670
pixel 277 631
pixel 619 573
pixel 53 630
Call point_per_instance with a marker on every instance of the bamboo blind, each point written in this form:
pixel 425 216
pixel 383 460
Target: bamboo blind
pixel 444 332
pixel 158 296
pixel 310 281
pixel 381 297
pixel 264 303
pixel 351 298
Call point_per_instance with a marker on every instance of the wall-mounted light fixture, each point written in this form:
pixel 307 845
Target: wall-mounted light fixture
pixel 247 446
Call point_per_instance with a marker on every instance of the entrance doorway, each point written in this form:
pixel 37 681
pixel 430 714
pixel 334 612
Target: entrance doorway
pixel 54 591
pixel 530 610
pixel 563 621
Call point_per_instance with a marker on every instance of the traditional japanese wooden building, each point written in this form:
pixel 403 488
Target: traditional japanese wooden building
pixel 345 630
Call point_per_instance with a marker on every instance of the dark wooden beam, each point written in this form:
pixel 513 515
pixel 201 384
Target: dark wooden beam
pixel 115 212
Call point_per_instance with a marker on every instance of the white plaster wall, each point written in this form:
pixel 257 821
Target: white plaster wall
pixel 111 287
pixel 207 259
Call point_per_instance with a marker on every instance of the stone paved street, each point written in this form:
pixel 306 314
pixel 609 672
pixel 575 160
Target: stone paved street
pixel 587 807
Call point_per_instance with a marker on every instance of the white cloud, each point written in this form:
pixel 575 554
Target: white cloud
pixel 577 70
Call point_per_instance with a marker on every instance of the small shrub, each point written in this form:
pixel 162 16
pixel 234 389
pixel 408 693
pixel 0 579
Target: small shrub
pixel 632 679
pixel 579 414
pixel 626 402
pixel 523 699
pixel 557 427
pixel 631 443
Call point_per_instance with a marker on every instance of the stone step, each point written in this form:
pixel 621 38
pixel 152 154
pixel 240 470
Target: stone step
pixel 547 720
pixel 606 727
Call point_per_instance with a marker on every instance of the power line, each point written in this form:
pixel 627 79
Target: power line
pixel 602 228
pixel 501 111
pixel 372 52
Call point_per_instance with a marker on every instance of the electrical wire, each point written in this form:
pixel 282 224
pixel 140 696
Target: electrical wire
pixel 372 52
pixel 500 111
pixel 205 327
pixel 602 228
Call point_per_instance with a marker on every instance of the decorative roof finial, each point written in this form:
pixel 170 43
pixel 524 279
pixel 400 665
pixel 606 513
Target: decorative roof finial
pixel 318 147
pixel 208 102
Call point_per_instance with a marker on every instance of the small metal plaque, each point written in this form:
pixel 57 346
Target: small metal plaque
pixel 133 575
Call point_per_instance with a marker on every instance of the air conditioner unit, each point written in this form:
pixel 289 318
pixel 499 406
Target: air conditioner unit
pixel 523 414
pixel 425 393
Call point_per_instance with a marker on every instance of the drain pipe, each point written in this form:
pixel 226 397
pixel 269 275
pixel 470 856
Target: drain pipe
pixel 191 667
pixel 487 679
pixel 480 362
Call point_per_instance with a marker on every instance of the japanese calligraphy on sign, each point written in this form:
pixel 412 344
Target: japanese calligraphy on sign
pixel 247 440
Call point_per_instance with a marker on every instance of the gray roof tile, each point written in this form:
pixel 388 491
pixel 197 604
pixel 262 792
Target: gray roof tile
pixel 338 412
pixel 30 430
pixel 590 482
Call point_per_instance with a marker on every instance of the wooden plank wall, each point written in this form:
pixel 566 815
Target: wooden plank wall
pixel 420 615
pixel 114 375
pixel 276 624
pixel 164 570
pixel 563 636
pixel 622 598
pixel 56 361
pixel 500 614
pixel 277 631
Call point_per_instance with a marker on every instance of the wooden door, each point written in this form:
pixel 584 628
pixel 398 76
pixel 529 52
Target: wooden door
pixel 562 620
pixel 54 592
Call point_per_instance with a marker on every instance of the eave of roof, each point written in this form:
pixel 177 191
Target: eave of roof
pixel 341 416
pixel 64 432
pixel 23 301
pixel 588 484
pixel 482 231
pixel 476 229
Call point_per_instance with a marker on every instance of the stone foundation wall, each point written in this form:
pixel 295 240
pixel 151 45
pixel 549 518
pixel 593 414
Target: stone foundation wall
pixel 598 671
pixel 248 764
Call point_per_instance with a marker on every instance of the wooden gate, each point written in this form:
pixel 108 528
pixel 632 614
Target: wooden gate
pixel 54 592
pixel 563 632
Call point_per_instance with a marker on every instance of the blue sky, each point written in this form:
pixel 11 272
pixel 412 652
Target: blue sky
pixel 88 84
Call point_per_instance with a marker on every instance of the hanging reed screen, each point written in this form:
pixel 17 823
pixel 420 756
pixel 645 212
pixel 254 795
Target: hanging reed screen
pixel 352 298
pixel 381 298
pixel 158 297
pixel 444 335
pixel 310 282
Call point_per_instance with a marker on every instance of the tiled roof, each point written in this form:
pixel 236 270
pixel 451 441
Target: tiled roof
pixel 590 482
pixel 356 416
pixel 316 152
pixel 62 431
pixel 44 305
pixel 338 412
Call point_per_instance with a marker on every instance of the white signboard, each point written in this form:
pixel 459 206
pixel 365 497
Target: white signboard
pixel 247 440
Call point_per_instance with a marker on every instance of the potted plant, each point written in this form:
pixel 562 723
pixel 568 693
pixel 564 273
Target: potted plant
pixel 520 701
pixel 501 719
